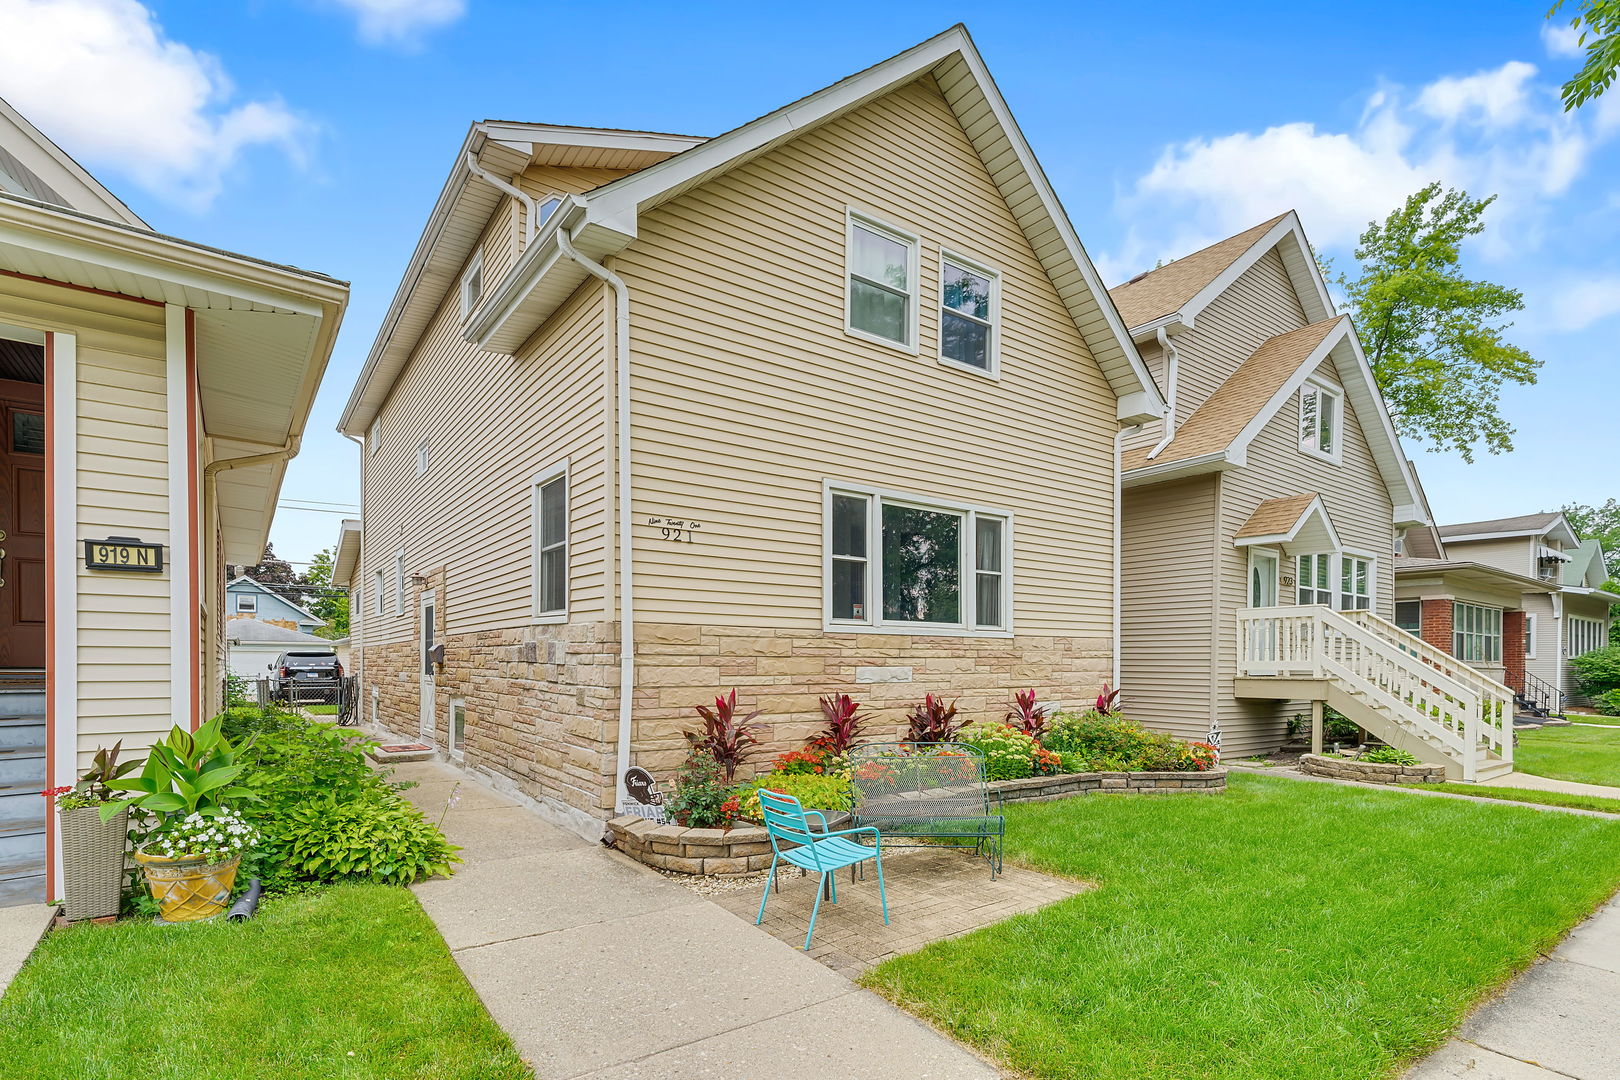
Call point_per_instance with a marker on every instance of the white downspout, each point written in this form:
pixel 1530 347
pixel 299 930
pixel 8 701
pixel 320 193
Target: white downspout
pixel 1172 362
pixel 529 217
pixel 627 611
pixel 1119 577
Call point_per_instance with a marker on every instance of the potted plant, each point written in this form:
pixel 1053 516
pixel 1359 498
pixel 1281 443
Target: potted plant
pixel 93 845
pixel 190 854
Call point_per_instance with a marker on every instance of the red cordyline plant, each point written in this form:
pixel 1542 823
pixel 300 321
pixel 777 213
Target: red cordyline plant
pixel 1107 701
pixel 1027 716
pixel 932 721
pixel 844 723
pixel 727 738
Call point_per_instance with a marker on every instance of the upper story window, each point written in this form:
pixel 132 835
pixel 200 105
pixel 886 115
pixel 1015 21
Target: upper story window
pixel 544 209
pixel 378 590
pixel 551 542
pixel 1315 579
pixel 1476 633
pixel 472 283
pixel 1321 419
pixel 970 301
pixel 1355 583
pixel 247 604
pixel 882 287
pixel 899 561
pixel 1321 573
pixel 399 583
pixel 422 458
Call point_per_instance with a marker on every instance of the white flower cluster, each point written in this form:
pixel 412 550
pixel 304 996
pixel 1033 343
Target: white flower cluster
pixel 220 836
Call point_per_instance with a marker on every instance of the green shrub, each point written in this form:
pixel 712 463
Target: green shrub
pixel 1008 753
pixel 700 798
pixel 814 792
pixel 1608 703
pixel 1597 672
pixel 1335 728
pixel 1389 755
pixel 323 813
pixel 1110 742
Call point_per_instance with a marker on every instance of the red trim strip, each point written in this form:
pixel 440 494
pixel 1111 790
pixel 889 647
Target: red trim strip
pixel 51 889
pixel 192 525
pixel 80 288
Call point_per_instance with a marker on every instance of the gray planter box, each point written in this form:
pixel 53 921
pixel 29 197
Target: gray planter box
pixel 92 862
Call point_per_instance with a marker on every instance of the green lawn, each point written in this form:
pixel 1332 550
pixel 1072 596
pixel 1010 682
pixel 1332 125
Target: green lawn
pixel 320 710
pixel 1586 755
pixel 1526 795
pixel 1281 929
pixel 354 983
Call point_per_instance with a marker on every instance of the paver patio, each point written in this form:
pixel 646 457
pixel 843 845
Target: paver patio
pixel 933 894
pixel 601 969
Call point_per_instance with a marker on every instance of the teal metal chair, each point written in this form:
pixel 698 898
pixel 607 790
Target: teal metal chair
pixel 824 853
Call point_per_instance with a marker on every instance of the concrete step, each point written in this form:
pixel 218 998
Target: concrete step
pixel 23 765
pixel 21 802
pixel 21 731
pixel 22 839
pixel 25 867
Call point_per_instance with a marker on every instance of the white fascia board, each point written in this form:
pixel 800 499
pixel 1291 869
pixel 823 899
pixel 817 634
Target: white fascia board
pixel 1138 407
pixel 1508 535
pixel 1152 474
pixel 1172 324
pixel 1316 508
pixel 1408 515
pixel 518 135
pixel 1288 390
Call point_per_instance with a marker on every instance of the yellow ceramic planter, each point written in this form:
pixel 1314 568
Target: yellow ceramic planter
pixel 189 888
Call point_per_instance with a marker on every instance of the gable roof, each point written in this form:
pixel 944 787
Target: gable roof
pixel 1175 293
pixel 259 632
pixel 346 553
pixel 1587 567
pixel 1282 521
pixel 602 222
pixel 258 586
pixel 1259 381
pixel 34 167
pixel 1523 525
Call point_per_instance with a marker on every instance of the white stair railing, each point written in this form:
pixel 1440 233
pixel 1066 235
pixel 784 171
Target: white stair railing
pixel 1416 686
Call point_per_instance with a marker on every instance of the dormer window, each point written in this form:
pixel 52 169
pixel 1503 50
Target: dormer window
pixel 544 209
pixel 1321 413
pixel 472 284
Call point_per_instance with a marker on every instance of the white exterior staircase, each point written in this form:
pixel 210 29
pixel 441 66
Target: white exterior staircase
pixel 1397 686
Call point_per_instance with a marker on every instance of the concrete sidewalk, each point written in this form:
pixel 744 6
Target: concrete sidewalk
pixel 1547 783
pixel 601 969
pixel 1555 1022
pixel 21 927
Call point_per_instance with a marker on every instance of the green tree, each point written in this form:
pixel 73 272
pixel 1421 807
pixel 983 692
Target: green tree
pixel 277 575
pixel 1600 523
pixel 329 601
pixel 1433 336
pixel 1598 23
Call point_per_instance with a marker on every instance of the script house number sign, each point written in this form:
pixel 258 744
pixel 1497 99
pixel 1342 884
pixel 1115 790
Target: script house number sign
pixel 123 553
pixel 675 530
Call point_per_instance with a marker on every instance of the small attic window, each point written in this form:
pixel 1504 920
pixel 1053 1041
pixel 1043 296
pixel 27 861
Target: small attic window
pixel 472 284
pixel 545 209
pixel 1320 419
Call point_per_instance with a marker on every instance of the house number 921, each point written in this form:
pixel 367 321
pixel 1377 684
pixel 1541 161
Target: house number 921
pixel 675 530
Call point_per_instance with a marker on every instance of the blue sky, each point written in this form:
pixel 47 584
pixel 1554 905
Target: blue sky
pixel 318 132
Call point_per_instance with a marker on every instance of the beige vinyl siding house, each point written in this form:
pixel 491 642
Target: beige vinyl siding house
pixel 151 392
pixel 762 411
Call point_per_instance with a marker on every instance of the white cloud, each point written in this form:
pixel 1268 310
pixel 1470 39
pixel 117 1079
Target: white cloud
pixel 101 79
pixel 1492 132
pixel 1576 304
pixel 400 22
pixel 1560 38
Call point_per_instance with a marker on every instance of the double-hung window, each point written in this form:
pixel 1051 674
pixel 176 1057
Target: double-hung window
pixel 882 287
pixel 1529 636
pixel 551 543
pixel 1321 413
pixel 1585 635
pixel 1315 579
pixel 1476 633
pixel 1355 583
pixel 905 562
pixel 970 299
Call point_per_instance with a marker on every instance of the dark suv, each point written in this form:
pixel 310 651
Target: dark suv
pixel 298 667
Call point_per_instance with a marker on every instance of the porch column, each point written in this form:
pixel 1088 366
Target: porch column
pixel 1437 623
pixel 1513 648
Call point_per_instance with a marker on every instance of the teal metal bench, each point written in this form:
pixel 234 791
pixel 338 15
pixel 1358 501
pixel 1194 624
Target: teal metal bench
pixel 824 853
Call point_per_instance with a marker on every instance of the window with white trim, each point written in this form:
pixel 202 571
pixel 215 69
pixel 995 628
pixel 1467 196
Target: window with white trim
pixel 247 604
pixel 1529 636
pixel 399 583
pixel 1321 412
pixel 882 282
pixel 1409 616
pixel 905 561
pixel 1315 578
pixel 545 208
pixel 472 283
pixel 379 589
pixel 1355 583
pixel 969 307
pixel 422 458
pixel 1476 633
pixel 550 527
pixel 1586 635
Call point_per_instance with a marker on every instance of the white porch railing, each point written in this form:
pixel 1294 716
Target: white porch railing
pixel 1408 681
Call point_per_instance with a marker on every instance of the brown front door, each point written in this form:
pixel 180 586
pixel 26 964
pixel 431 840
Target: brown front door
pixel 22 524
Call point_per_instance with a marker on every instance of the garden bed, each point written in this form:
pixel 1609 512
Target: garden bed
pixel 745 849
pixel 1370 772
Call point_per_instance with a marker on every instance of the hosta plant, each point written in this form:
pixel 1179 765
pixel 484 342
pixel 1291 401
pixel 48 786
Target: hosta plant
pixel 1026 715
pixel 932 721
pixel 724 736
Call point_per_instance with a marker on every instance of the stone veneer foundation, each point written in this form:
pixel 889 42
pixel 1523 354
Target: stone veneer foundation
pixel 542 701
pixel 1370 772
pixel 745 849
